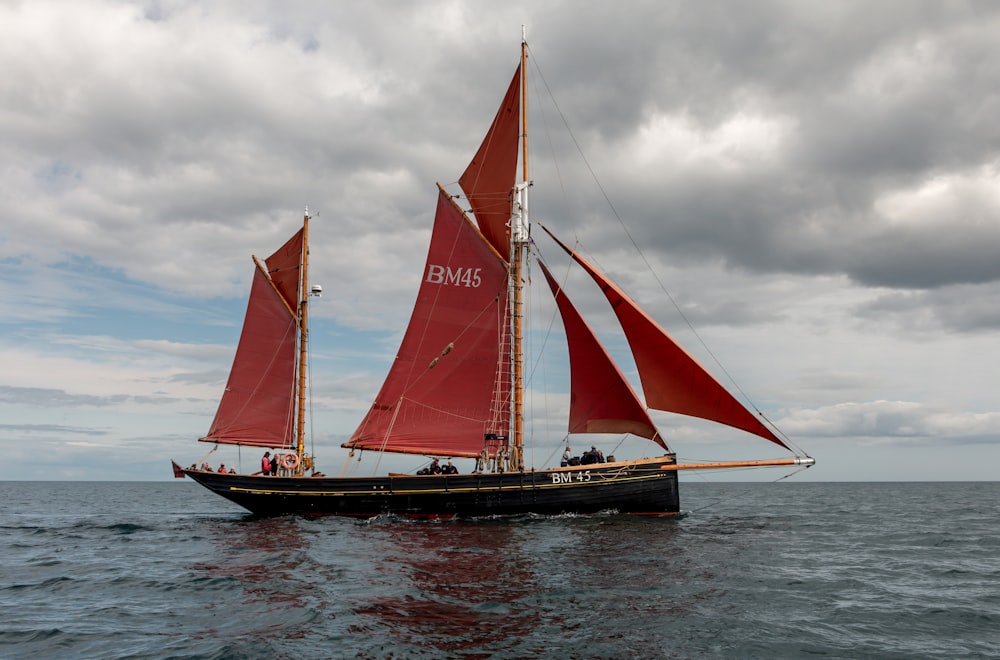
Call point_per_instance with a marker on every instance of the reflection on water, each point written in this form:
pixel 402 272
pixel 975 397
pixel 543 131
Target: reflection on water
pixel 260 554
pixel 516 587
pixel 259 566
pixel 399 588
pixel 459 585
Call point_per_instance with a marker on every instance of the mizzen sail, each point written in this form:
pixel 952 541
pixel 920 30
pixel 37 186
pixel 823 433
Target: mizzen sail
pixel 258 405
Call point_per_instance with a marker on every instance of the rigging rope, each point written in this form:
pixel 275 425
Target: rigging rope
pixel 744 491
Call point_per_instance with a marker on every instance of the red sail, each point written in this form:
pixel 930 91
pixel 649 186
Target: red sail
pixel 601 400
pixel 489 178
pixel 284 269
pixel 258 404
pixel 672 380
pixel 450 382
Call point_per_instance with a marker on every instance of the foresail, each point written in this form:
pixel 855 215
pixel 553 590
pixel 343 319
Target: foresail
pixel 672 380
pixel 601 400
pixel 489 178
pixel 450 382
pixel 257 407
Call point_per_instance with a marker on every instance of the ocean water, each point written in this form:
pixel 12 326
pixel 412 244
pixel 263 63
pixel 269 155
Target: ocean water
pixel 839 570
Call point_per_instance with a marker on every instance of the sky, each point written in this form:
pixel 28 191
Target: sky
pixel 813 189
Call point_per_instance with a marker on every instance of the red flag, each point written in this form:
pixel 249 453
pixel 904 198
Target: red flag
pixel 178 470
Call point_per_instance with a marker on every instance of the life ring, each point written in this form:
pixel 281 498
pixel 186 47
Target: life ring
pixel 290 461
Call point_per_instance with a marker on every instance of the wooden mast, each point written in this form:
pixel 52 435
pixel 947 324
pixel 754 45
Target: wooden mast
pixel 519 238
pixel 524 108
pixel 303 337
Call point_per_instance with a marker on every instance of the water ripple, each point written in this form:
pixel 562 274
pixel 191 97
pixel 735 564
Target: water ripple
pixel 784 570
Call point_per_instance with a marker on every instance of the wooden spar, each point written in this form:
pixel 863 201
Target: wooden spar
pixel 303 336
pixel 806 461
pixel 524 109
pixel 518 247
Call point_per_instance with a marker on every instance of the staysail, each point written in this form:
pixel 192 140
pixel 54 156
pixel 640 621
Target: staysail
pixel 257 407
pixel 672 380
pixel 601 400
pixel 449 385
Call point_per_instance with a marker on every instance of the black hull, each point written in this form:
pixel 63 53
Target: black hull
pixel 633 487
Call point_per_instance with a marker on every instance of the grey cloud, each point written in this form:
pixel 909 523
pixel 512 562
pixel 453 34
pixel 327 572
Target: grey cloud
pixel 963 308
pixel 53 429
pixel 39 397
pixel 54 398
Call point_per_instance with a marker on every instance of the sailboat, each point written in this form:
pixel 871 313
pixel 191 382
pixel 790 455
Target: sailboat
pixel 456 387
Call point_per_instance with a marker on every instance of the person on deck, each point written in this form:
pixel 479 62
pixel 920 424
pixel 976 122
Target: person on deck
pixel 222 467
pixel 265 464
pixel 435 467
pixel 449 469
pixel 565 457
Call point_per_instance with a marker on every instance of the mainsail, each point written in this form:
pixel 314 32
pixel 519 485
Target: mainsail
pixel 449 385
pixel 258 405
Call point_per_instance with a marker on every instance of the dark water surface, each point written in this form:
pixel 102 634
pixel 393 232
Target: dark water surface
pixel 156 570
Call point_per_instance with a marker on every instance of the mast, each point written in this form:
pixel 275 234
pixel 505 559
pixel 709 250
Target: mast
pixel 300 425
pixel 524 107
pixel 519 244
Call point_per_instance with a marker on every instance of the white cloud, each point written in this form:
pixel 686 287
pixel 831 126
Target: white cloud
pixel 816 186
pixel 682 146
pixel 893 420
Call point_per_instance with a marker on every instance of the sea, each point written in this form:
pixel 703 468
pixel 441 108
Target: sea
pixel 751 570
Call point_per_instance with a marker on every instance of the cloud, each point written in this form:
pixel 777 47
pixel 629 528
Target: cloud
pixel 52 398
pixel 969 308
pixel 813 190
pixel 55 429
pixel 893 421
